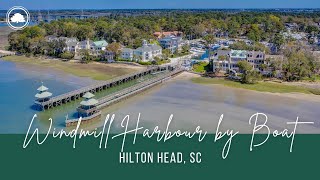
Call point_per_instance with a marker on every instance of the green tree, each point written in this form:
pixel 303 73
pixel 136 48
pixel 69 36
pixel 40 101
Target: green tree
pixel 249 76
pixel 115 48
pixel 255 33
pixel 67 55
pixel 209 38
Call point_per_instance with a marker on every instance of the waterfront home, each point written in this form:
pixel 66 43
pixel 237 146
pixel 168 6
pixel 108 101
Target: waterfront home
pixel 100 45
pixel 173 43
pixel 127 54
pixel 148 51
pixel 71 43
pixel 256 58
pixel 108 56
pixel 86 44
pixel 228 59
pixel 270 59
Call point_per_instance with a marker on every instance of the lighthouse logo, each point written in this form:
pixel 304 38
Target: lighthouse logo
pixel 18 17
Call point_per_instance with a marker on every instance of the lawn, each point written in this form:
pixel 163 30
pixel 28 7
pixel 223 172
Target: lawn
pixel 261 86
pixel 200 67
pixel 96 71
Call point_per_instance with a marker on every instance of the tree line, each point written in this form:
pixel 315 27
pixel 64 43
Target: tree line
pixel 129 31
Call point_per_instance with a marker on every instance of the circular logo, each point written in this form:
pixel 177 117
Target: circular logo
pixel 18 17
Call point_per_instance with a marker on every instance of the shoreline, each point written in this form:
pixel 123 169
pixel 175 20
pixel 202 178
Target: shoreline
pixel 93 70
pixel 294 95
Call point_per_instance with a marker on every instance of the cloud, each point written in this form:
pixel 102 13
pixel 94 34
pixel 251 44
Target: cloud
pixel 17 18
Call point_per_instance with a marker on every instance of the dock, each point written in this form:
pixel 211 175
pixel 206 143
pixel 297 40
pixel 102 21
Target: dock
pixel 76 94
pixel 121 95
pixel 125 93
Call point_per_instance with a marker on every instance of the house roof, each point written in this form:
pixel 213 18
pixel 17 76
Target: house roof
pixel 238 54
pixel 102 43
pixel 223 52
pixel 256 54
pixel 69 44
pixel 155 47
pixel 144 49
pixel 168 33
pixel 84 43
pixel 170 38
pixel 127 50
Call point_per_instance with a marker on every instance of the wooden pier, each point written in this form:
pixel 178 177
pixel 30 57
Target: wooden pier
pixel 121 95
pixel 125 93
pixel 76 94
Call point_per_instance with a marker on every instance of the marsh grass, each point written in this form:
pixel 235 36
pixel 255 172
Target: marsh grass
pixel 96 71
pixel 260 86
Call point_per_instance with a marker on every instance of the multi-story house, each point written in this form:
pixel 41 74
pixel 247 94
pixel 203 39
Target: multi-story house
pixel 100 45
pixel 228 59
pixel 71 43
pixel 148 51
pixel 173 43
pixel 145 53
pixel 86 44
pixel 256 58
pixel 127 53
pixel 108 56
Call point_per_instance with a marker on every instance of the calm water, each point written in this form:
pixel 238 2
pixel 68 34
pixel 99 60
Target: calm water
pixel 194 104
pixel 4 24
pixel 191 104
pixel 18 84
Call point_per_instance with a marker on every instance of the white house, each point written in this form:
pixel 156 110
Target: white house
pixel 71 43
pixel 228 59
pixel 86 44
pixel 100 45
pixel 127 53
pixel 148 51
pixel 145 53
pixel 172 43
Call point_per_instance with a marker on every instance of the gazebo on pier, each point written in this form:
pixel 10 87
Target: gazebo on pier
pixel 43 94
pixel 88 105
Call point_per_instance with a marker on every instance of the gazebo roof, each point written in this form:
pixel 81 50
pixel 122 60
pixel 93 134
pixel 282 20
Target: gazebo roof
pixel 42 88
pixel 43 95
pixel 89 102
pixel 88 95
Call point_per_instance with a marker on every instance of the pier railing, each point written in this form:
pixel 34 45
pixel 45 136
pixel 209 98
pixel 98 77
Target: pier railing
pixel 117 96
pixel 69 96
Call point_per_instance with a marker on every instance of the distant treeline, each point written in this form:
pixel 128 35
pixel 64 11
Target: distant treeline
pixel 130 30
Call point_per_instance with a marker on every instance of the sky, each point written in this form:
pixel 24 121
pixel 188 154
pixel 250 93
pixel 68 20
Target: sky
pixel 158 4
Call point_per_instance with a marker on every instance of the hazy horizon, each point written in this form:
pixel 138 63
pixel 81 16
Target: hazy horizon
pixel 173 9
pixel 160 4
